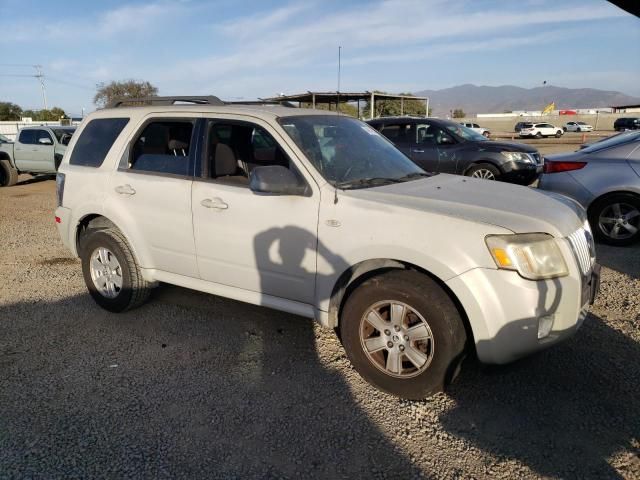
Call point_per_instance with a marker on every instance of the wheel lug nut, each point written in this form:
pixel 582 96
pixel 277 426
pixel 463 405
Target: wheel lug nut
pixel 390 344
pixel 401 347
pixel 406 338
pixel 396 328
pixel 387 332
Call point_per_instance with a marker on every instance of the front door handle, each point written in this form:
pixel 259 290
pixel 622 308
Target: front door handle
pixel 125 189
pixel 216 203
pixel 417 150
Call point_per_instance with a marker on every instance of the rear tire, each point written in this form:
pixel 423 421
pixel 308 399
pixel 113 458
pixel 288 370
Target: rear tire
pixel 538 135
pixel 8 174
pixel 486 134
pixel 111 272
pixel 615 219
pixel 428 346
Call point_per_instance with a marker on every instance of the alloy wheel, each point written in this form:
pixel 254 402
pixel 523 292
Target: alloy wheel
pixel 619 221
pixel 396 339
pixel 106 272
pixel 483 173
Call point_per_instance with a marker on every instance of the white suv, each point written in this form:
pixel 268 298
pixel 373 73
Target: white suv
pixel 318 214
pixel 477 128
pixel 540 130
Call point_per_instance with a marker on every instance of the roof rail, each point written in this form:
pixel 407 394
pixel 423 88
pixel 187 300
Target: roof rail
pixel 201 100
pixel 262 102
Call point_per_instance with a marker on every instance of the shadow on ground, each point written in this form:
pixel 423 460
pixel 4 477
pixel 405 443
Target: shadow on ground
pixel 562 412
pixel 622 259
pixel 188 386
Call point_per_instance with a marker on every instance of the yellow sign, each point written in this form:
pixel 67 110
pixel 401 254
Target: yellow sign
pixel 549 108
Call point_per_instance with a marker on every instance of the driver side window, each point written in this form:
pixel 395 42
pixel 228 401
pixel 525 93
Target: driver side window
pixel 234 149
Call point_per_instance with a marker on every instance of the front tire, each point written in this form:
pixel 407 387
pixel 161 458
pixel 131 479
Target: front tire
pixel 111 272
pixel 538 135
pixel 8 174
pixel 403 334
pixel 558 133
pixel 485 171
pixel 615 219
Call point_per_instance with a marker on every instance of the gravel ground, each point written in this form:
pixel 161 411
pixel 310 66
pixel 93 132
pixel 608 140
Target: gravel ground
pixel 195 386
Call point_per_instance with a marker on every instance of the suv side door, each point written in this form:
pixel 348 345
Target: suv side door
pixel 257 244
pixel 151 190
pixel 425 151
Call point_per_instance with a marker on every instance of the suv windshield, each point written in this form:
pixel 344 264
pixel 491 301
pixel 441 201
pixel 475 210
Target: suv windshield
pixel 349 153
pixel 614 141
pixel 465 133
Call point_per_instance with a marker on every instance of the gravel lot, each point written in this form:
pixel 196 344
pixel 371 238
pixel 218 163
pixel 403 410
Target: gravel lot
pixel 195 386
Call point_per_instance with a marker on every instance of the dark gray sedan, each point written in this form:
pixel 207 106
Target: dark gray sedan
pixel 605 178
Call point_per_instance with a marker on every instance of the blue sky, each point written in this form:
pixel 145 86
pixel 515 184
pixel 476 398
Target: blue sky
pixel 246 49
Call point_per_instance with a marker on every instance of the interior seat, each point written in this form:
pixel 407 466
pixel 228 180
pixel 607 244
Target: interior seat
pixel 225 165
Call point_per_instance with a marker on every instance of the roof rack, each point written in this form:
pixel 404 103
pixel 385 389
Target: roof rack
pixel 202 100
pixel 262 102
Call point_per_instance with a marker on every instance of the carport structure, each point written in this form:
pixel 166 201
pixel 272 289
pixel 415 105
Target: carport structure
pixel 336 98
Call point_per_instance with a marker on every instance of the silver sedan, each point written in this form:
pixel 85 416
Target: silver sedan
pixel 605 178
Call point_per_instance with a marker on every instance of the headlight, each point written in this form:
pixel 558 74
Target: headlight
pixel 518 157
pixel 535 256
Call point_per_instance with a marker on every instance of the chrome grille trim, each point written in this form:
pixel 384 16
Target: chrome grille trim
pixel 583 248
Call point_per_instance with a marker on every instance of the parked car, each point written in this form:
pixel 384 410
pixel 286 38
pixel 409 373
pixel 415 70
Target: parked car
pixel 36 150
pixel 519 126
pixel 622 124
pixel 477 128
pixel 540 130
pixel 577 127
pixel 317 214
pixel 447 147
pixel 604 178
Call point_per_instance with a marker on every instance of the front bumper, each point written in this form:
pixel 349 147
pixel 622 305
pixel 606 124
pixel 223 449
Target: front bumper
pixel 505 310
pixel 520 172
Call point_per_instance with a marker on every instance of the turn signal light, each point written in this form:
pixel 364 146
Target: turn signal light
pixel 555 167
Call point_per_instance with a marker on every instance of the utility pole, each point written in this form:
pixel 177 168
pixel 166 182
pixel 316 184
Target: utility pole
pixel 40 76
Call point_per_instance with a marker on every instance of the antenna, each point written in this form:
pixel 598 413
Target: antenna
pixel 339 71
pixel 40 76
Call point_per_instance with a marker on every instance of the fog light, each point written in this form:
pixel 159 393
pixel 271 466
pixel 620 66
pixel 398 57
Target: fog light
pixel 544 326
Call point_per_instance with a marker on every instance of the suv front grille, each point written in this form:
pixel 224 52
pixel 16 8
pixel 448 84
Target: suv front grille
pixel 584 249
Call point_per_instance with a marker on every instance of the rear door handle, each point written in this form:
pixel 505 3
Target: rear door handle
pixel 125 189
pixel 216 203
pixel 417 150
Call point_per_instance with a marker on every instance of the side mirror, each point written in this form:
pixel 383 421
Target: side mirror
pixel 45 141
pixel 276 180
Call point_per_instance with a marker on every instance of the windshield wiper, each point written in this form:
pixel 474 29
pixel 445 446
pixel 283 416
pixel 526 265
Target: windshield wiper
pixel 366 182
pixel 414 175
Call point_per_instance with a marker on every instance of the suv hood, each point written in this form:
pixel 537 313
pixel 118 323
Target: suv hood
pixel 513 207
pixel 493 146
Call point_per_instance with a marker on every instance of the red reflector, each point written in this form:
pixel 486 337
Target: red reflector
pixel 554 167
pixel 58 220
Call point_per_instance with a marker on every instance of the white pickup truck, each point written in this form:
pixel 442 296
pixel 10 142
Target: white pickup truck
pixel 37 150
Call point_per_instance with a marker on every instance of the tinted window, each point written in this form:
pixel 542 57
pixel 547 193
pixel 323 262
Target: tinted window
pixel 43 135
pixel 163 147
pixel 27 137
pixel 398 132
pixel 96 140
pixel 614 141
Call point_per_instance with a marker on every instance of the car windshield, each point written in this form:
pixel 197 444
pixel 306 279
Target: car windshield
pixel 4 139
pixel 349 153
pixel 466 133
pixel 61 132
pixel 614 141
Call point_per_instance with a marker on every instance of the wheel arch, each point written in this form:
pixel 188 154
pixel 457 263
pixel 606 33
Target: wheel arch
pixel 357 274
pixel 607 194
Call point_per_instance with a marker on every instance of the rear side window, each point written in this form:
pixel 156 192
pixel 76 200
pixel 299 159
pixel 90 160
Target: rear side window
pixel 163 147
pixel 96 140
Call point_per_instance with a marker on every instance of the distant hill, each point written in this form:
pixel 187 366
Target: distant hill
pixel 481 99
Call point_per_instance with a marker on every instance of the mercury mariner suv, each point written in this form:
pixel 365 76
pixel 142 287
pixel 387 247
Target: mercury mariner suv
pixel 319 215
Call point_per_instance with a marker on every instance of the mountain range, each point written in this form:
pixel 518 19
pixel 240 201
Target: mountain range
pixel 482 99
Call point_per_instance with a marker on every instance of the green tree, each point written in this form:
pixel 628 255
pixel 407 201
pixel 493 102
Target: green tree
pixel 126 88
pixel 52 115
pixel 458 113
pixel 346 108
pixel 388 107
pixel 10 111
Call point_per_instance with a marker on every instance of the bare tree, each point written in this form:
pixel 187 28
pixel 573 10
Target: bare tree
pixel 126 88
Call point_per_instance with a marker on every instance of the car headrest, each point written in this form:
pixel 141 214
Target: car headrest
pixel 177 145
pixel 224 161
